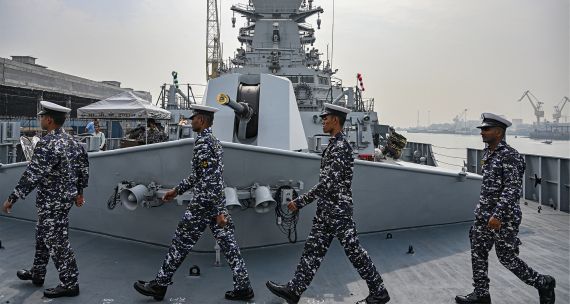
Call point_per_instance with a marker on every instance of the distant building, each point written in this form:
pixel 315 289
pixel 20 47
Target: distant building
pixel 23 83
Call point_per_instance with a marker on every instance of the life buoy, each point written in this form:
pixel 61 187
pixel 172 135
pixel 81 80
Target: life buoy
pixel 303 91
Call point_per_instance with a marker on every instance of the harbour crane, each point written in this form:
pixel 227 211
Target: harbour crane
pixel 558 109
pixel 538 112
pixel 213 50
pixel 462 116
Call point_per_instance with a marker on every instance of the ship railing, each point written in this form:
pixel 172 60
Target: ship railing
pixel 366 105
pixel 184 101
pixel 268 46
pixel 546 179
pixel 419 153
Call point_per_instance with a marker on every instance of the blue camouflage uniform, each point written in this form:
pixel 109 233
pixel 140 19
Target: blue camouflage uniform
pixel 333 219
pixel 206 179
pixel 501 188
pixel 59 169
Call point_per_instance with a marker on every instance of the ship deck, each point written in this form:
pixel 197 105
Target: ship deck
pixel 438 270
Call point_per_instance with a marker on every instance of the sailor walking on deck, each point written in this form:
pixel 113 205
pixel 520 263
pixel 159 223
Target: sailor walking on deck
pixel 498 216
pixel 333 217
pixel 59 169
pixel 207 208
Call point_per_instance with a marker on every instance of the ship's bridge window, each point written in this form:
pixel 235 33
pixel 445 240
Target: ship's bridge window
pixel 323 80
pixel 308 79
pixel 294 79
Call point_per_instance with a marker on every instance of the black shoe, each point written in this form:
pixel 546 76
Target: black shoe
pixel 240 295
pixel 151 289
pixel 473 298
pixel 283 292
pixel 382 298
pixel 60 291
pixel 546 292
pixel 26 275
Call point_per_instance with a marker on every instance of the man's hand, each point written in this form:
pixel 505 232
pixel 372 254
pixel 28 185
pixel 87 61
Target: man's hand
pixel 292 206
pixel 79 200
pixel 221 220
pixel 170 195
pixel 7 207
pixel 494 223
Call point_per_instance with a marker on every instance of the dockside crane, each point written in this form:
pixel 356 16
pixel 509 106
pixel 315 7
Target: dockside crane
pixel 538 112
pixel 213 49
pixel 558 109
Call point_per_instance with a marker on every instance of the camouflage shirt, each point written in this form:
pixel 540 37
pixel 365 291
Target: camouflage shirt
pixel 333 191
pixel 501 188
pixel 154 136
pixel 206 177
pixel 59 169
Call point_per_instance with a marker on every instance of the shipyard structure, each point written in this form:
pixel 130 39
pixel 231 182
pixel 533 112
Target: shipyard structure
pixel 23 83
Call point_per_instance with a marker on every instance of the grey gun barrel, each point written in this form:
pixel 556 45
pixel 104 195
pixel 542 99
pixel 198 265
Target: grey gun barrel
pixel 241 110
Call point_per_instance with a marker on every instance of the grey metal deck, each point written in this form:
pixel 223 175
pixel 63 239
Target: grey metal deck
pixel 439 269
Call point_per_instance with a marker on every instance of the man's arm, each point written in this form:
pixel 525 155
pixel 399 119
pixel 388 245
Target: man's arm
pixel 512 183
pixel 82 170
pixel 200 155
pixel 103 139
pixel 39 166
pixel 331 177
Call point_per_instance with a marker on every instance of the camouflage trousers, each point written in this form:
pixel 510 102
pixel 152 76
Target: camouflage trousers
pixel 189 231
pixel 324 229
pixel 507 247
pixel 52 241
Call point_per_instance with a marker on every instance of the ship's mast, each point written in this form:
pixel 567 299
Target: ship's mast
pixel 213 50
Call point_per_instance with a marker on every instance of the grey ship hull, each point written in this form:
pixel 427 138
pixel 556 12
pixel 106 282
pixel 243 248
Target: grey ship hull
pixel 386 196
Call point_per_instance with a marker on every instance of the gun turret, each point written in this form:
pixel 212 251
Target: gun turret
pixel 243 110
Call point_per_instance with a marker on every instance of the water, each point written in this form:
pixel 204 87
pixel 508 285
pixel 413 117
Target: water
pixel 451 149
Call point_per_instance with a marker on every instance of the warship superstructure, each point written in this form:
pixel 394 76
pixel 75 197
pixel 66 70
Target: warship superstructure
pixel 277 49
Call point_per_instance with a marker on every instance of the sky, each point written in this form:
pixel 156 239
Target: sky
pixel 432 57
